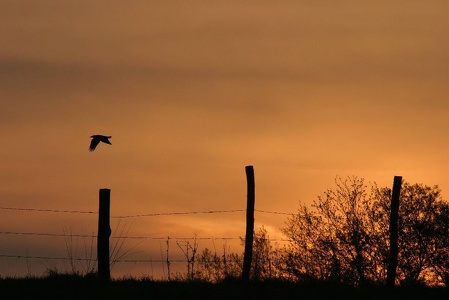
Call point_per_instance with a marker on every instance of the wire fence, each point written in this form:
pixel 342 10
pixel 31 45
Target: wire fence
pixel 144 215
pixel 116 237
pixel 66 235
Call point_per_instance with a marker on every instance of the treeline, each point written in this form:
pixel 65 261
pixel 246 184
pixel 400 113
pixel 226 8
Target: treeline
pixel 343 237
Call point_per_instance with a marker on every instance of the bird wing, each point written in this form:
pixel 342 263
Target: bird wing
pixel 93 144
pixel 105 139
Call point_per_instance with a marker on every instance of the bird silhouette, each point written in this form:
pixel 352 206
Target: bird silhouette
pixel 96 139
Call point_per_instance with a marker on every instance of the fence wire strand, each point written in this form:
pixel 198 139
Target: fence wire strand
pixel 144 215
pixel 125 216
pixel 179 213
pixel 65 235
pixel 49 210
pixel 115 237
pixel 91 259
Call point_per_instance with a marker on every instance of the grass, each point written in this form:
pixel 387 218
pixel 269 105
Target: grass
pixel 68 286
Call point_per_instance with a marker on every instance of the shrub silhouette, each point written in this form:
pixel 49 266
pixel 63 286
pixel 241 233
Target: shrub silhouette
pixel 344 236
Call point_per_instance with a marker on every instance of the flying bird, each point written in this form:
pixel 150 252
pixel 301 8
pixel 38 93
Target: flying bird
pixel 96 139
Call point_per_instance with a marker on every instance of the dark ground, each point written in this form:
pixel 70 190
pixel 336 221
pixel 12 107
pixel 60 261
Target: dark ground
pixel 72 287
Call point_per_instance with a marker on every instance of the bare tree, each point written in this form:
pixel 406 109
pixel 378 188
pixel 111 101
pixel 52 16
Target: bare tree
pixel 344 236
pixel 440 259
pixel 334 241
pixel 422 232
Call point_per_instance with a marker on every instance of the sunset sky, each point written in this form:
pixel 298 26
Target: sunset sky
pixel 192 92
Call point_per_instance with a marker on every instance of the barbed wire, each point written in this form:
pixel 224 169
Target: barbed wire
pixel 152 261
pixel 179 213
pixel 92 259
pixel 165 261
pixel 144 215
pixel 125 216
pixel 133 237
pixel 116 237
pixel 47 234
pixel 274 212
pixel 66 235
pixel 49 210
pixel 45 257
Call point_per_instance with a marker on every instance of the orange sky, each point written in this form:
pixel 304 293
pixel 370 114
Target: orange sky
pixel 192 92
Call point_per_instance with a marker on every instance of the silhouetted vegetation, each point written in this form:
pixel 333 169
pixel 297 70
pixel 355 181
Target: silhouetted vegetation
pixel 77 287
pixel 338 247
pixel 344 237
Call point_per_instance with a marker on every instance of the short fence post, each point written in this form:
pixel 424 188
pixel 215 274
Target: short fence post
pixel 104 232
pixel 394 213
pixel 251 197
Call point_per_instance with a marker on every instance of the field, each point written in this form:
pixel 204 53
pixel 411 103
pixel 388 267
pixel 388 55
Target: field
pixel 76 287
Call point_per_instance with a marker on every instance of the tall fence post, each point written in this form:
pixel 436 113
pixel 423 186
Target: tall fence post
pixel 251 198
pixel 104 232
pixel 394 213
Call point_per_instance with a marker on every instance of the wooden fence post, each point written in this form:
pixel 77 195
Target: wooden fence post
pixel 394 213
pixel 251 198
pixel 104 232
